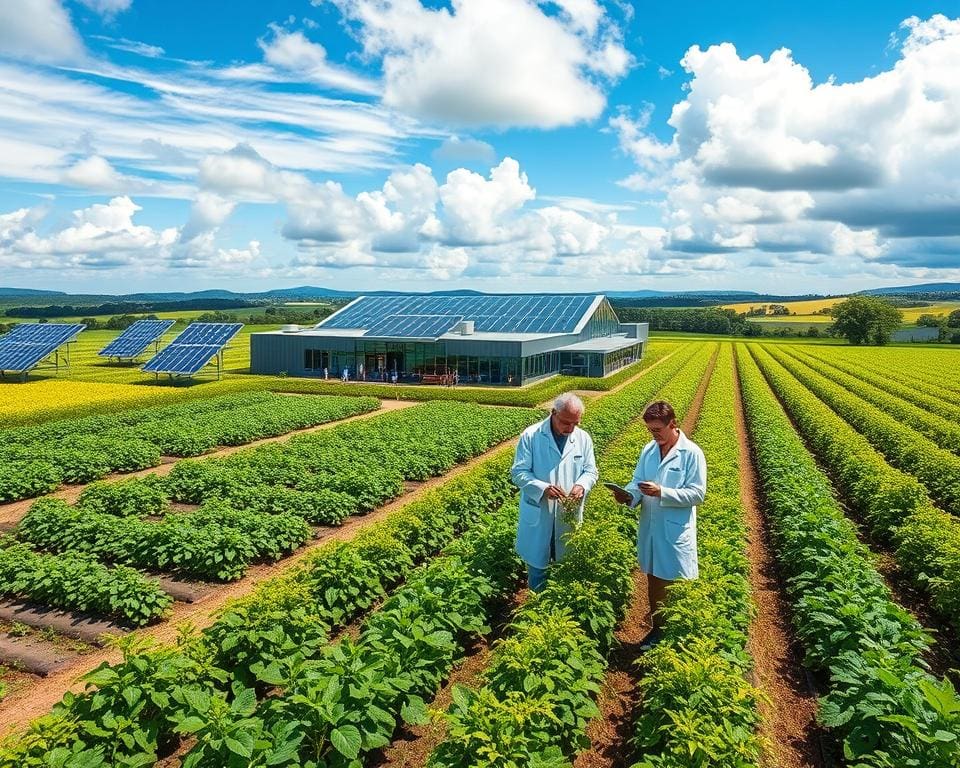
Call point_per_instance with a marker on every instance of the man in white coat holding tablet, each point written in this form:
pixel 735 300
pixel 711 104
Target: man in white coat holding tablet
pixel 554 461
pixel 668 483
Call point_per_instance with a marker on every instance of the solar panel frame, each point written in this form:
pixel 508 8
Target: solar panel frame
pixel 135 339
pixel 27 344
pixel 192 349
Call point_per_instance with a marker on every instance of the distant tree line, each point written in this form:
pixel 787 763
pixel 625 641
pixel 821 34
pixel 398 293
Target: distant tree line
pixel 948 326
pixel 115 323
pixel 125 308
pixel 727 322
pixel 271 316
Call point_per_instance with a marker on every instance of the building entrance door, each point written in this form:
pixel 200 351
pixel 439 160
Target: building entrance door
pixel 394 362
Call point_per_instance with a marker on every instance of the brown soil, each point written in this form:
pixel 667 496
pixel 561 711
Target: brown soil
pixel 21 707
pixel 610 733
pixel 33 655
pixel 414 744
pixel 13 512
pixel 789 726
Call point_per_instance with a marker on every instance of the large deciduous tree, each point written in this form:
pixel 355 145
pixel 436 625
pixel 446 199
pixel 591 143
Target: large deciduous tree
pixel 865 320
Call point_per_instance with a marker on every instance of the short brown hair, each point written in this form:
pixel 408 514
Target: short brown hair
pixel 660 410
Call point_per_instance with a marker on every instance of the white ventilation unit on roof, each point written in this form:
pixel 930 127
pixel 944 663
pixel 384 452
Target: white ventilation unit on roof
pixel 291 328
pixel 464 328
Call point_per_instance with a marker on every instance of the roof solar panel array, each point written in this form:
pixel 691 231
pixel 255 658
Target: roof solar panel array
pixel 537 313
pixel 136 338
pixel 196 345
pixel 414 326
pixel 28 343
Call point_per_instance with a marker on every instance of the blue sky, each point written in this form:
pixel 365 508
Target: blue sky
pixel 491 144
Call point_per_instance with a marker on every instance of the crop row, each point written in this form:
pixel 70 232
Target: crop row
pixel 243 519
pixel 539 691
pixel 79 583
pixel 698 708
pixel 937 468
pixel 350 698
pixel 215 542
pixel 131 709
pixel 942 431
pixel 929 397
pixel 882 704
pixel 894 504
pixel 37 460
pixel 935 367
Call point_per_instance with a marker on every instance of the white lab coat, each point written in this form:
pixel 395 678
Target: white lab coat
pixel 537 464
pixel 667 531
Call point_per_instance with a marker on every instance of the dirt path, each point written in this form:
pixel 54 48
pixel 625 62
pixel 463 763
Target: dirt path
pixel 21 707
pixel 12 512
pixel 611 733
pixel 789 711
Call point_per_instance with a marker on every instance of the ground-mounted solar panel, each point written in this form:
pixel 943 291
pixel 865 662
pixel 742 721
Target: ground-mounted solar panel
pixel 135 339
pixel 29 344
pixel 414 326
pixel 534 313
pixel 193 348
pixel 208 333
pixel 184 359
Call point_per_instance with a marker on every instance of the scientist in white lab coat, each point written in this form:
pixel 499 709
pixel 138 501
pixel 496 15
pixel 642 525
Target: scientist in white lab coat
pixel 554 460
pixel 668 483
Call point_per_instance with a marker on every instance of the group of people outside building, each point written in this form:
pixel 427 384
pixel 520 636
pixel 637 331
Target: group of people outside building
pixel 554 464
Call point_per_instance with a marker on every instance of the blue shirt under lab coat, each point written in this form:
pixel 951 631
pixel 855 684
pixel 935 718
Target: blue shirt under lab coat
pixel 537 464
pixel 667 531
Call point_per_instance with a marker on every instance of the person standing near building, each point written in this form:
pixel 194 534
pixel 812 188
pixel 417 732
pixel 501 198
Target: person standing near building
pixel 668 483
pixel 554 460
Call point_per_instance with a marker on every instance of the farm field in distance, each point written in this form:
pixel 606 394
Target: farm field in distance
pixel 807 311
pixel 373 537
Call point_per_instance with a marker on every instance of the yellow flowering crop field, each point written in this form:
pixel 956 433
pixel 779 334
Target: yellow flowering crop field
pixel 37 400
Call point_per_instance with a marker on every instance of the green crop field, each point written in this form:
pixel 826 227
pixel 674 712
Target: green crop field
pixel 849 457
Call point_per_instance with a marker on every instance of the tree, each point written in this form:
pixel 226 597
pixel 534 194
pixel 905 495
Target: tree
pixel 865 320
pixel 953 319
pixel 930 321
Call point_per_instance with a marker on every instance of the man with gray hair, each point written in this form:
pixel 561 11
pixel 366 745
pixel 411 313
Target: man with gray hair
pixel 553 467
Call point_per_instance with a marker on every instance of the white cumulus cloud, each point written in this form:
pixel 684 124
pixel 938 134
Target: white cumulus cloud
pixel 492 62
pixel 764 158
